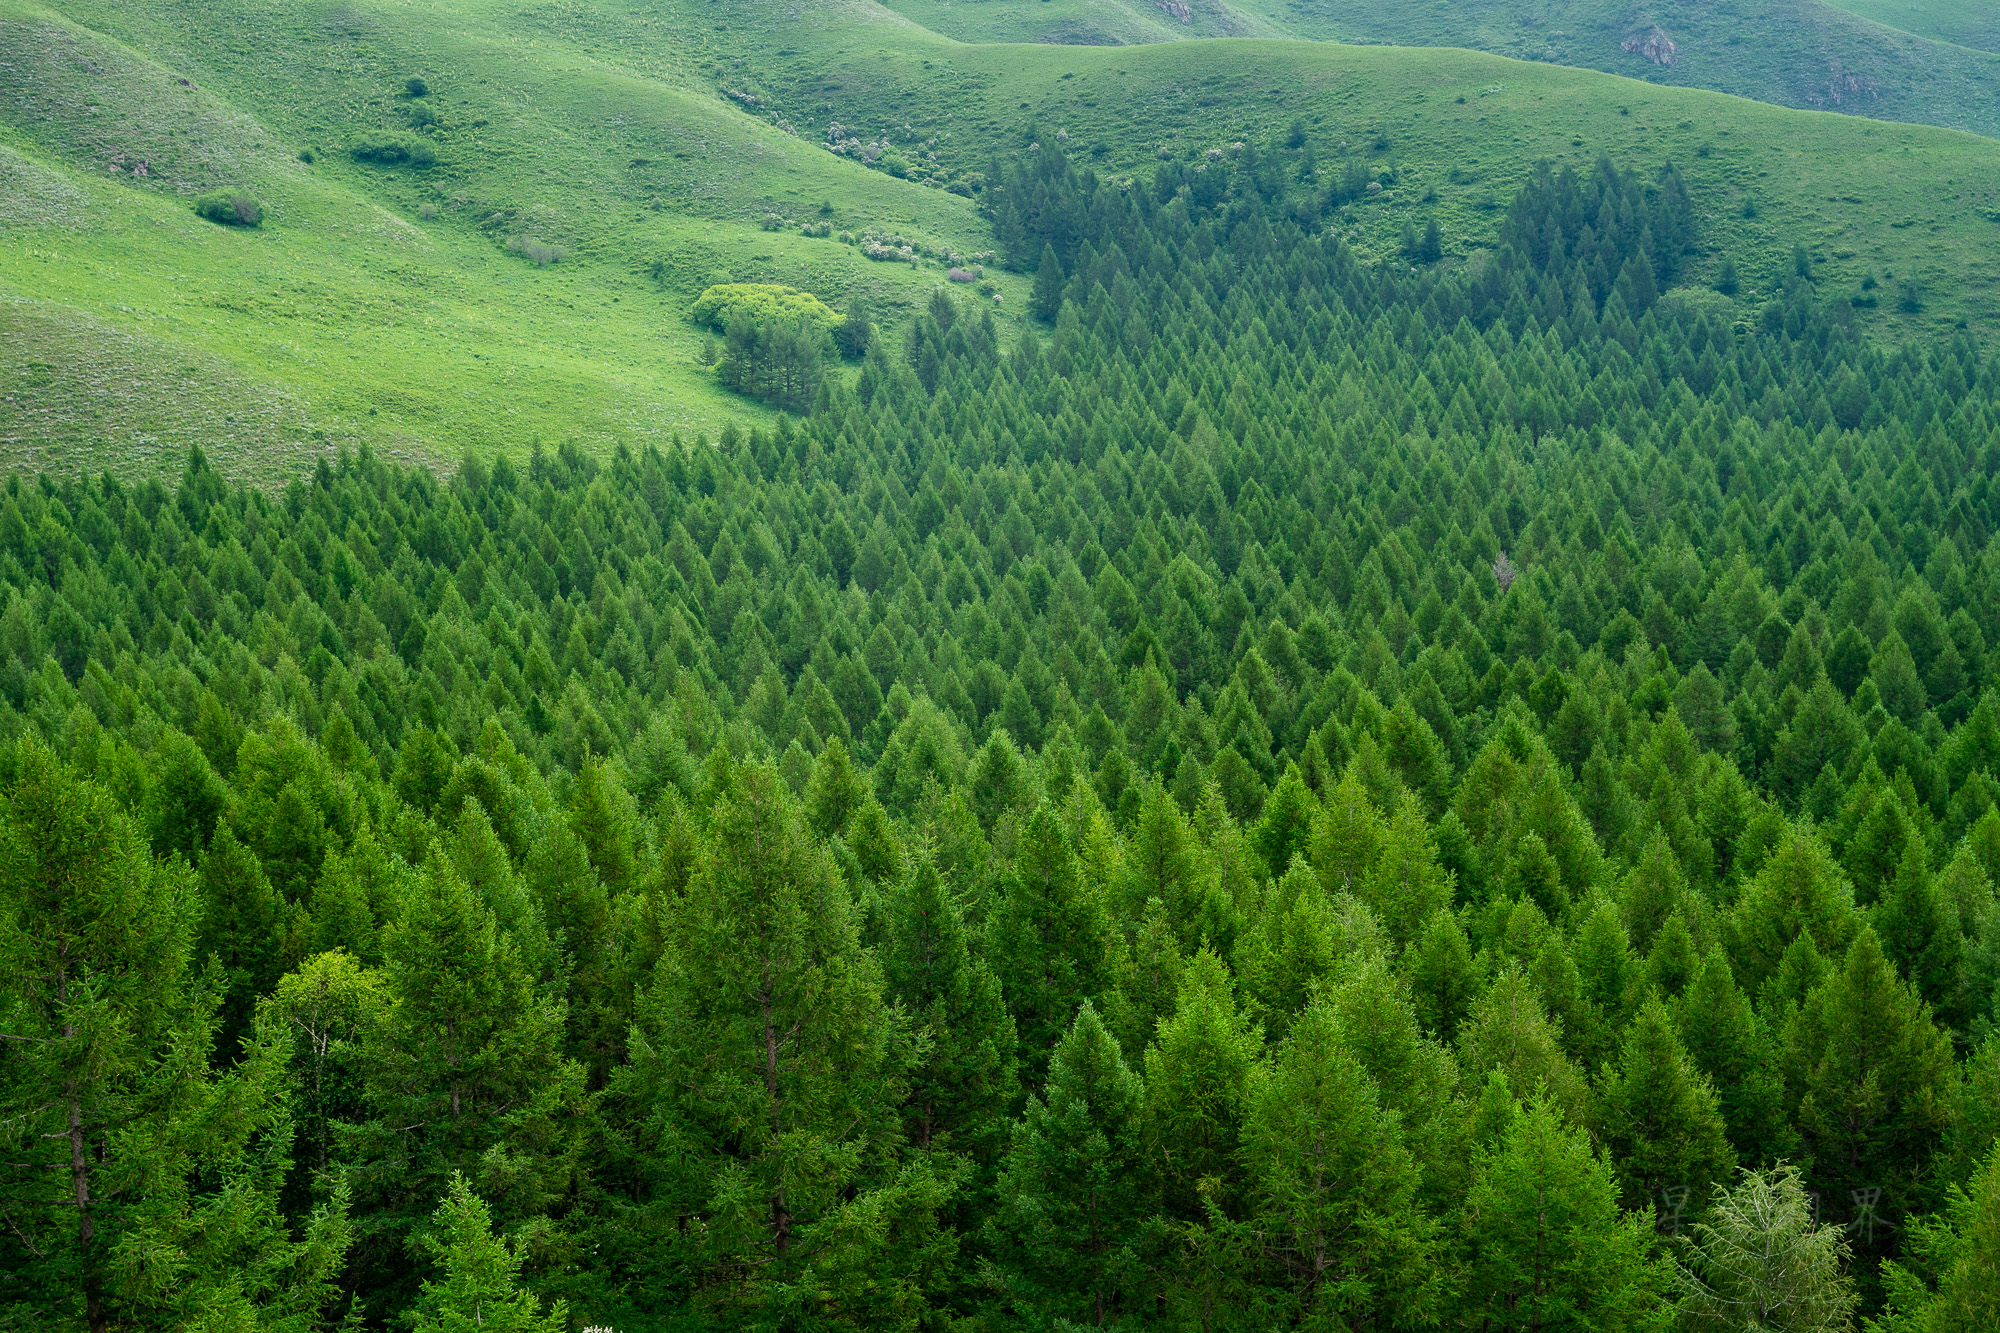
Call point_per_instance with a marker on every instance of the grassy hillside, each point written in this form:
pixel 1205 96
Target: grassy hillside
pixel 1974 23
pixel 1456 131
pixel 653 144
pixel 1797 53
pixel 382 303
pixel 1086 22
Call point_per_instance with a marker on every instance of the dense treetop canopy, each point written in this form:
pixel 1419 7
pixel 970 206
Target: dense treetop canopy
pixel 1307 795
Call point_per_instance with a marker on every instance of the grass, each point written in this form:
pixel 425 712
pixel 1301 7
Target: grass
pixel 348 315
pixel 1082 22
pixel 663 146
pixel 1798 53
pixel 1974 23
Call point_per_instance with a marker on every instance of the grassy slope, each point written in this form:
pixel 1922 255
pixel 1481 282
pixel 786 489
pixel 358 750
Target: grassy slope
pixel 128 327
pixel 1974 23
pixel 1083 22
pixel 131 328
pixel 1463 128
pixel 1798 53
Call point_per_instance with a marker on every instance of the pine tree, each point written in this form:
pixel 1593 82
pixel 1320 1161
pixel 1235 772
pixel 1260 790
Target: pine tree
pixel 1346 837
pixel 1821 736
pixel 835 791
pixel 1163 861
pixel 1197 1078
pixel 1045 301
pixel 1659 1121
pixel 1546 1245
pixel 1759 1258
pixel 142 1187
pixel 1444 976
pixel 1292 945
pixel 1870 1077
pixel 1508 1031
pixel 465 1073
pixel 1920 934
pixel 1068 1188
pixel 1286 827
pixel 1332 1189
pixel 1407 885
pixel 963 1079
pixel 1727 1041
pixel 480 1290
pixel 243 929
pixel 765 1069
pixel 1051 940
pixel 1949 1275
pixel 1798 891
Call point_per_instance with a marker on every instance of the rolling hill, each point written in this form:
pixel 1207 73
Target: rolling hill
pixel 1962 22
pixel 1888 59
pixel 663 147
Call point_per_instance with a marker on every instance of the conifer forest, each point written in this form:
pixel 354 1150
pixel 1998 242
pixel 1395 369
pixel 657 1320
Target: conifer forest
pixel 1305 790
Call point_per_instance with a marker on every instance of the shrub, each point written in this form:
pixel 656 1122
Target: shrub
pixel 230 208
pixel 416 87
pixel 1910 296
pixel 540 252
pixel 427 211
pixel 763 302
pixel 386 148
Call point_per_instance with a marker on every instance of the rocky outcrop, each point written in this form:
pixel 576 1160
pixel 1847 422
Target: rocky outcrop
pixel 1652 43
pixel 1179 9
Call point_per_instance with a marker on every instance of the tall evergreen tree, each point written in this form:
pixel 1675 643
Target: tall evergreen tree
pixel 1333 1191
pixel 1728 1042
pixel 1950 1275
pixel 1547 1246
pixel 765 1070
pixel 1197 1076
pixel 465 1074
pixel 1069 1204
pixel 142 1188
pixel 1659 1122
pixel 1759 1258
pixel 1870 1078
pixel 480 1287
pixel 1050 938
pixel 963 1079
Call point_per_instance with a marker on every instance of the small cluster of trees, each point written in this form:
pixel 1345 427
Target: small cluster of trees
pixel 783 360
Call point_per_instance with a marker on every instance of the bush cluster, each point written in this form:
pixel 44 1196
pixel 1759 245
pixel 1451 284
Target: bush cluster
pixel 762 302
pixel 540 253
pixel 230 208
pixel 388 148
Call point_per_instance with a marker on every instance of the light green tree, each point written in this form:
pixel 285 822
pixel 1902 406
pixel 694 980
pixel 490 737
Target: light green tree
pixel 1547 1247
pixel 1757 1260
pixel 480 1291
